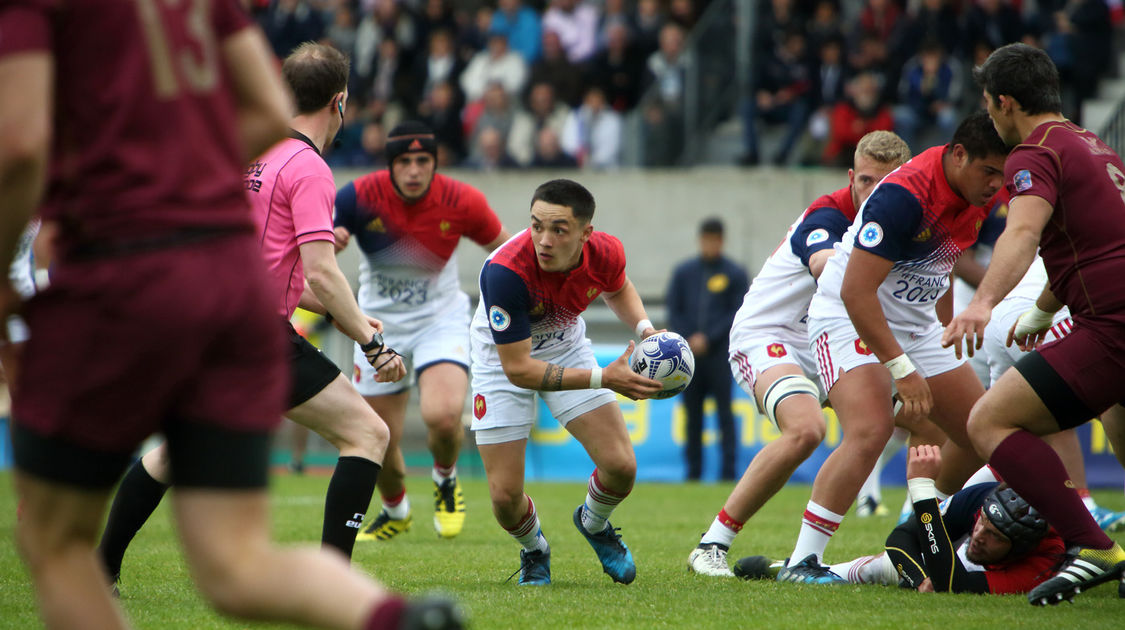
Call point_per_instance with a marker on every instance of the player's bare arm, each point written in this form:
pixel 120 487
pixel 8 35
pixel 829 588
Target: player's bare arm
pixel 859 292
pixel 498 241
pixel 25 135
pixel 626 304
pixel 263 104
pixel 331 288
pixel 530 373
pixel 1013 254
pixel 818 260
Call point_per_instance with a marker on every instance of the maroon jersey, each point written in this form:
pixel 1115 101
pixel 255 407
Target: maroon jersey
pixel 1083 243
pixel 145 141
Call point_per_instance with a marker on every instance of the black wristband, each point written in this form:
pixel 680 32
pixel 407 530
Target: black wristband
pixel 375 343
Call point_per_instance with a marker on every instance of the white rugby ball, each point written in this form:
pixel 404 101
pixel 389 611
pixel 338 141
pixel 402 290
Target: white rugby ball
pixel 664 357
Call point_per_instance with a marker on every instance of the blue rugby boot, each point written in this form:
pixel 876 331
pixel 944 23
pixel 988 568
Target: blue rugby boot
pixel 809 571
pixel 616 559
pixel 535 568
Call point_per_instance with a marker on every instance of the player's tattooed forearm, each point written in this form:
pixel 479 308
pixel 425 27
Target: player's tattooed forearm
pixel 552 378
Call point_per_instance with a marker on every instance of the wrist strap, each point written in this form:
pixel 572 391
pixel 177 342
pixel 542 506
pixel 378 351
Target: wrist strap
pixel 375 343
pixel 642 326
pixel 596 378
pixel 900 366
pixel 921 488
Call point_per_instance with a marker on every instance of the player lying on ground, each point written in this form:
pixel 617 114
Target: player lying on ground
pixel 986 539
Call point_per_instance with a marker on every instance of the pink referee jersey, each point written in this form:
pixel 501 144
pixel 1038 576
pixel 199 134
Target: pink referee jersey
pixel 291 193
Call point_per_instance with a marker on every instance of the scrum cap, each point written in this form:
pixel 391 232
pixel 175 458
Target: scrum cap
pixel 1015 518
pixel 410 136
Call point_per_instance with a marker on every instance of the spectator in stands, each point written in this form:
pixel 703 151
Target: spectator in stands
pixel 548 152
pixel 497 112
pixel 441 111
pixel 576 24
pixel 682 12
pixel 647 20
pixel 543 111
pixel 862 112
pixel 494 64
pixel 436 15
pixel 993 21
pixel 666 74
pixel 384 21
pixel 776 18
pixel 374 142
pixel 522 27
pixel 927 96
pixel 341 34
pixel 828 89
pixel 1083 33
pixel 618 69
pixel 555 68
pixel 440 64
pixel 880 18
pixel 472 31
pixel 614 13
pixel 781 95
pixel 824 25
pixel 490 154
pixel 392 81
pixel 932 19
pixel 292 23
pixel 592 133
pixel 871 55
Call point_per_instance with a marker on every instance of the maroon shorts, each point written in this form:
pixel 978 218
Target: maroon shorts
pixel 160 341
pixel 1090 363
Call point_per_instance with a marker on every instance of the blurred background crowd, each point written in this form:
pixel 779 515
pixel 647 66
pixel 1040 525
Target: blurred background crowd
pixel 606 83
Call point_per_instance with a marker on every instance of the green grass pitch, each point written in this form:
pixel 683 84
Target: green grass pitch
pixel 660 522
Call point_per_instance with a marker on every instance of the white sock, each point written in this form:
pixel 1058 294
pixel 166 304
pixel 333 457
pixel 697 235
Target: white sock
pixel 817 526
pixel 1089 502
pixel 718 533
pixel 400 511
pixel 600 503
pixel 984 475
pixel 876 569
pixel 438 477
pixel 527 532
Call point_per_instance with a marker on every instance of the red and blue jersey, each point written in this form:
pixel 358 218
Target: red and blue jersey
pixel 520 300
pixel 780 293
pixel 916 220
pixel 408 274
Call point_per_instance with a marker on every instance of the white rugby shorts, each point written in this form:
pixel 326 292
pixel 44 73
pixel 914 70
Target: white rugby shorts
pixel 837 348
pixel 754 351
pixel 503 412
pixel 446 339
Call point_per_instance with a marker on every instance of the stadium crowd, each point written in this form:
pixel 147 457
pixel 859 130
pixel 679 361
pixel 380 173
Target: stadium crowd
pixel 551 83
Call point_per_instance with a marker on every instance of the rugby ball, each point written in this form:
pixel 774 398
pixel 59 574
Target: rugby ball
pixel 664 357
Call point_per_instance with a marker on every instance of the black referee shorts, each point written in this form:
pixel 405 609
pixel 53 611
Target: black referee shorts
pixel 311 370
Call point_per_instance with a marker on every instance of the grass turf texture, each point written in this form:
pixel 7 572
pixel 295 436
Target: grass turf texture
pixel 661 524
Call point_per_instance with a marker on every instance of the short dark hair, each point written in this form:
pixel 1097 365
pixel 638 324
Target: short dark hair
pixel 569 193
pixel 978 135
pixel 1026 74
pixel 315 73
pixel 711 225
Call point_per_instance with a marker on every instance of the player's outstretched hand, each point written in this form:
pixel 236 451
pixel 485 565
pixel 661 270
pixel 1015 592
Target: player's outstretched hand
pixel 619 377
pixel 923 462
pixel 968 327
pixel 343 236
pixel 914 393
